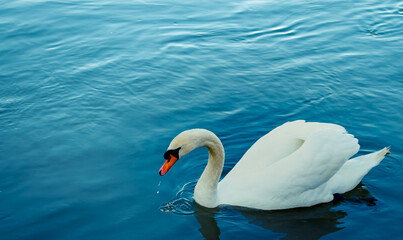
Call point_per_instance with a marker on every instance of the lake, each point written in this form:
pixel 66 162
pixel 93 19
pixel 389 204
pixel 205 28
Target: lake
pixel 92 93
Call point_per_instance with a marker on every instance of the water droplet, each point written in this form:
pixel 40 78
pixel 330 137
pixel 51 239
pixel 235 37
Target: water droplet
pixel 159 184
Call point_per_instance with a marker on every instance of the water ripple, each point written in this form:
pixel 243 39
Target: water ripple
pixel 183 203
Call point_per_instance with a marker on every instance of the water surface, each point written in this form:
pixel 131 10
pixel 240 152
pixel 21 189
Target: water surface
pixel 92 92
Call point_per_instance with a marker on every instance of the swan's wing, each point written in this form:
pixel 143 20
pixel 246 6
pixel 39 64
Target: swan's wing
pixel 297 180
pixel 279 143
pixel 316 161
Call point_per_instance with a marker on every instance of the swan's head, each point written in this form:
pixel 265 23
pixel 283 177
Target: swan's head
pixel 181 145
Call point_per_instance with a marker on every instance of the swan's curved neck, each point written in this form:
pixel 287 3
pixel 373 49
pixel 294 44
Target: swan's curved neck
pixel 205 192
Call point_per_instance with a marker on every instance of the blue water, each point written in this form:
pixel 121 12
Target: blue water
pixel 92 92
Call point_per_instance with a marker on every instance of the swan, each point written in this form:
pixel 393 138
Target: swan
pixel 298 164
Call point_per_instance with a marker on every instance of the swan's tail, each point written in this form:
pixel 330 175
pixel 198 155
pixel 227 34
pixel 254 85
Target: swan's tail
pixel 381 154
pixel 352 172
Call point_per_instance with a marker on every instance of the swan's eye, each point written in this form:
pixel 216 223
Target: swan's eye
pixel 173 152
pixel 167 156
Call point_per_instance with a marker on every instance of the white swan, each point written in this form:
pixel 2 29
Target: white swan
pixel 298 164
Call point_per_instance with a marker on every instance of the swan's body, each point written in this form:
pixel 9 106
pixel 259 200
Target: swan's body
pixel 298 164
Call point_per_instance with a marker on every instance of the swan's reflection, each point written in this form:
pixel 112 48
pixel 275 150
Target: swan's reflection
pixel 302 223
pixel 209 227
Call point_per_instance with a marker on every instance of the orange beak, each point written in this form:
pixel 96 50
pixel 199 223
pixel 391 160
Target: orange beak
pixel 167 165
